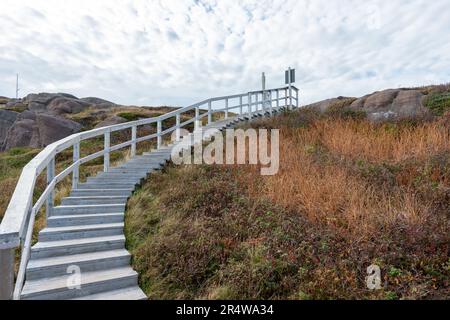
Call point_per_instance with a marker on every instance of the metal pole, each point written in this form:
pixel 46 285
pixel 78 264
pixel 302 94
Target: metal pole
pixel 17 86
pixel 6 273
pixel 296 95
pixel 107 150
pixel 50 177
pixel 76 169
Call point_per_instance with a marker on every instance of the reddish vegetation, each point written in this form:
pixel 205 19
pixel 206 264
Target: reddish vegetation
pixel 349 194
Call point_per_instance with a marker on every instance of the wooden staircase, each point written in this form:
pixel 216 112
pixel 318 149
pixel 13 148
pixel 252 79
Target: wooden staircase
pixel 86 232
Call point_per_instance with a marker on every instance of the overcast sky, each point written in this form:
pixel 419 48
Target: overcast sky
pixel 148 52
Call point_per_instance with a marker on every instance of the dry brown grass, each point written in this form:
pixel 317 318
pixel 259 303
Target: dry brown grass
pixel 317 174
pixel 362 140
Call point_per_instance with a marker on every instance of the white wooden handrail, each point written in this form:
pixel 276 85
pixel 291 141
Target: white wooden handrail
pixel 17 225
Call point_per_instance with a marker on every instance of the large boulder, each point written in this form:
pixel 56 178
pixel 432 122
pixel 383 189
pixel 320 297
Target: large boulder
pixel 63 105
pixel 392 105
pixel 324 106
pixel 93 100
pixel 113 120
pixel 7 119
pixel 53 128
pixel 39 132
pixel 23 133
pixel 41 98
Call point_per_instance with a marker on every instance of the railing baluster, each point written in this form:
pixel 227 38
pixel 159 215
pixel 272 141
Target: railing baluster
pixel 76 169
pixel 106 156
pixel 250 105
pixel 285 98
pixel 178 137
pixel 6 273
pixel 240 105
pixel 271 102
pixel 257 102
pixel 209 112
pixel 226 108
pixel 290 97
pixel 197 120
pixel 278 99
pixel 50 177
pixel 133 139
pixel 159 130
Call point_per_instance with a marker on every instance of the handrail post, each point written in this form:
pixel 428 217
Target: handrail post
pixel 178 131
pixel 250 105
pixel 290 97
pixel 106 156
pixel 271 103
pixel 278 99
pixel 226 108
pixel 133 141
pixel 197 121
pixel 6 273
pixel 286 98
pixel 209 112
pixel 159 130
pixel 76 169
pixel 50 177
pixel 240 105
pixel 257 102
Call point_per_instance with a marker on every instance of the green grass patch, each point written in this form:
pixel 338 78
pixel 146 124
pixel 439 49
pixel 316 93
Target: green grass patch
pixel 438 103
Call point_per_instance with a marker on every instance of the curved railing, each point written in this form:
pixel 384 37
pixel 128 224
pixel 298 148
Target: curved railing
pixel 16 228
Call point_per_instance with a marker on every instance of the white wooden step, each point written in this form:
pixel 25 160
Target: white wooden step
pixel 92 261
pixel 45 249
pixel 101 192
pixel 84 219
pixel 130 293
pixel 80 232
pixel 88 208
pixel 69 201
pixel 93 282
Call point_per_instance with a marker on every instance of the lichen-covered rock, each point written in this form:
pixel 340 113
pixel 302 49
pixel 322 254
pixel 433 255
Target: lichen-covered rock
pixel 324 106
pixel 21 135
pixel 39 132
pixel 387 105
pixel 111 121
pixel 53 128
pixel 63 105
pixel 7 119
pixel 97 101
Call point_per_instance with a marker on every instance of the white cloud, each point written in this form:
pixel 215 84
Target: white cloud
pixel 178 52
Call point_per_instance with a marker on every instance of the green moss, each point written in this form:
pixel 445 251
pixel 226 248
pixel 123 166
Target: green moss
pixel 438 103
pixel 132 116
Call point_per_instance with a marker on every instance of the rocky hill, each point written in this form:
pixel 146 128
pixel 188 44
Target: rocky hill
pixel 393 104
pixel 40 119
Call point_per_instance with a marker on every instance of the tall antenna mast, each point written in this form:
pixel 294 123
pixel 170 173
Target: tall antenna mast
pixel 17 86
